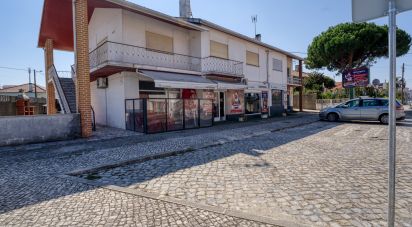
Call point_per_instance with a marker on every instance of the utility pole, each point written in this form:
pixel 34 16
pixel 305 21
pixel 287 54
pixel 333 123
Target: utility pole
pixel 35 84
pixel 403 83
pixel 30 88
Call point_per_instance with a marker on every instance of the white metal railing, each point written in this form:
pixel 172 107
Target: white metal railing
pixel 62 98
pixel 118 53
pixel 223 66
pixel 294 80
pixel 73 73
pixel 112 53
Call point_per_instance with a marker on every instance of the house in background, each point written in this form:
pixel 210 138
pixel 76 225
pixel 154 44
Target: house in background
pixel 29 89
pixel 151 69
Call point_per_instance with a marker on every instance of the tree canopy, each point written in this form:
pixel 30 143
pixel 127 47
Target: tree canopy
pixel 352 45
pixel 317 80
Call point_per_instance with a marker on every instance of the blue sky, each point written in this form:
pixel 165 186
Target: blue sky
pixel 288 24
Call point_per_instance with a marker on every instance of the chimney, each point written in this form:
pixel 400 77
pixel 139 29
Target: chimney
pixel 258 37
pixel 185 10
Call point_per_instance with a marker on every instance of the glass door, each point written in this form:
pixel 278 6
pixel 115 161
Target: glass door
pixel 222 106
pixel 219 106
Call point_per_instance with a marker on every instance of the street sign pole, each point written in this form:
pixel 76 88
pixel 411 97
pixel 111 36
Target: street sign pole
pixel 364 10
pixel 392 117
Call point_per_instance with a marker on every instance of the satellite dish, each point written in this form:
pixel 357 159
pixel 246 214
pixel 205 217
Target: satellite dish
pixel 376 82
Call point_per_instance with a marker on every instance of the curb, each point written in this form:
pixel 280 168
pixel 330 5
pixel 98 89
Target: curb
pixel 182 151
pixel 279 220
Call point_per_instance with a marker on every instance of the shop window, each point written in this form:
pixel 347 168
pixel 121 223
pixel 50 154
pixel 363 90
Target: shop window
pixel 252 103
pixel 159 42
pixel 252 58
pixel 219 50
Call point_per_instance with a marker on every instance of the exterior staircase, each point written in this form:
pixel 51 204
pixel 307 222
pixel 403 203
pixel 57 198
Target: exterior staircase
pixel 69 92
pixel 66 92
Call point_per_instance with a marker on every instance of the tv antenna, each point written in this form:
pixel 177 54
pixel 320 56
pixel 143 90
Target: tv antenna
pixel 254 21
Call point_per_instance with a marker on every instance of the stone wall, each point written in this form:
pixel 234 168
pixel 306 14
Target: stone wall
pixel 38 128
pixel 309 101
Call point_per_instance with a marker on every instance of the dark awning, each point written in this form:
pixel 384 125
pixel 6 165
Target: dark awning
pixel 177 80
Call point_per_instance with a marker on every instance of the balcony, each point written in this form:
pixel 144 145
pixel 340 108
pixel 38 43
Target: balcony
pixel 128 56
pixel 292 80
pixel 117 55
pixel 214 65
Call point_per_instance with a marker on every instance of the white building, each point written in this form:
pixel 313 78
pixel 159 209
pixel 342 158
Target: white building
pixel 157 62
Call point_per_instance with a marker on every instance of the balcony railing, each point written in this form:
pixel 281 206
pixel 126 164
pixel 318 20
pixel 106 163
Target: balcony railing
pixel 222 66
pixel 294 80
pixel 111 53
pixel 118 54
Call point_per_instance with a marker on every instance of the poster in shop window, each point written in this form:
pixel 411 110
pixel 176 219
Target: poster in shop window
pixel 235 101
pixel 207 103
pixel 265 107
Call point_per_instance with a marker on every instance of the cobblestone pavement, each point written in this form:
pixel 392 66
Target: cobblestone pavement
pixel 323 173
pixel 32 194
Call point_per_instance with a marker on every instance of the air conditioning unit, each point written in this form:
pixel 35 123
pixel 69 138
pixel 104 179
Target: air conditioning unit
pixel 102 82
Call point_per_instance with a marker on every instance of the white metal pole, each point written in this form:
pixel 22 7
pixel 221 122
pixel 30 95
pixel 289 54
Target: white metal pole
pixel 392 117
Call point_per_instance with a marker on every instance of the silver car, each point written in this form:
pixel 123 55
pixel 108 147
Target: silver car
pixel 365 109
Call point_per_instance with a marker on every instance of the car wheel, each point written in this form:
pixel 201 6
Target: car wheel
pixel 384 119
pixel 332 117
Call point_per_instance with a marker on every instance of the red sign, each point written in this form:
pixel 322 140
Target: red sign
pixel 355 78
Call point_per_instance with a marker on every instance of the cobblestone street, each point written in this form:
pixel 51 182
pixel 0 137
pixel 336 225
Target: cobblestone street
pixel 33 193
pixel 289 172
pixel 321 174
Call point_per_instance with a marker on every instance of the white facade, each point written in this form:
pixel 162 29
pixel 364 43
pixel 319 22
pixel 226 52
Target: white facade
pixel 129 28
pixel 109 103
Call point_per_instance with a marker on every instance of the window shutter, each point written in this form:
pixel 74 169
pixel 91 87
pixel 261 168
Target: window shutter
pixel 277 65
pixel 252 58
pixel 159 42
pixel 219 50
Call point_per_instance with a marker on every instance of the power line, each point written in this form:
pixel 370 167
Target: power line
pixel 10 68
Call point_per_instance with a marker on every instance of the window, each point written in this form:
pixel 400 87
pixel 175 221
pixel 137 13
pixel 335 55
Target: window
pixel 384 102
pixel 219 50
pixel 159 42
pixel 277 65
pixel 353 103
pixel 371 102
pixel 252 58
pixel 252 103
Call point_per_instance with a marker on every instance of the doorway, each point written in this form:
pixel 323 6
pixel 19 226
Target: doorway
pixel 219 106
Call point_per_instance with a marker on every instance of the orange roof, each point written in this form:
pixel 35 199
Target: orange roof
pixel 338 85
pixel 57 23
pixel 18 88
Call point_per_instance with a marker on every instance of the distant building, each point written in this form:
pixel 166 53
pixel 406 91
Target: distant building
pixel 15 90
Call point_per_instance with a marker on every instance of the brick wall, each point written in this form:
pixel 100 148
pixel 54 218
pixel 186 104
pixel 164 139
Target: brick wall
pixel 51 96
pixel 83 68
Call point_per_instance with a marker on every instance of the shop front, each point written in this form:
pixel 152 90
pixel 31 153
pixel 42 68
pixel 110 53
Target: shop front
pixel 229 100
pixel 279 99
pixel 169 102
pixel 257 100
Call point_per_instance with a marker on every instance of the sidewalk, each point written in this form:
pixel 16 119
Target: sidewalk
pixel 106 137
pixel 34 194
